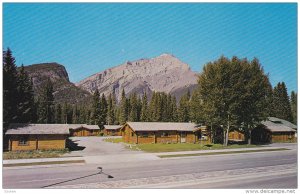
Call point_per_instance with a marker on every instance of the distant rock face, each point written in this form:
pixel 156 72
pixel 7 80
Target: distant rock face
pixel 41 72
pixel 64 90
pixel 164 73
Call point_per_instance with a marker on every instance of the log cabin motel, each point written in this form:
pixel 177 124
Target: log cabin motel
pixel 163 132
pixel 23 136
pixel 54 136
pixel 112 130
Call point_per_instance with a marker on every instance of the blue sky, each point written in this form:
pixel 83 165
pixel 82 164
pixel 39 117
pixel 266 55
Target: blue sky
pixel 88 38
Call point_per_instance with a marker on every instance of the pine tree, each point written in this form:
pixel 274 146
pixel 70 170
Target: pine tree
pixel 115 108
pixel 144 109
pixel 164 107
pixel 46 103
pixel 64 113
pixel 57 113
pixel 9 88
pixel 96 108
pixel 196 107
pixel 123 109
pixel 110 111
pixel 25 97
pixel 294 106
pixel 281 104
pixel 133 116
pixel 174 109
pixel 103 111
pixel 183 109
pixel 152 106
pixel 75 114
pixel 139 108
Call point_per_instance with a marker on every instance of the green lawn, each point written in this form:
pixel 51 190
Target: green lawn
pixel 159 147
pixel 186 147
pixel 33 154
pixel 219 153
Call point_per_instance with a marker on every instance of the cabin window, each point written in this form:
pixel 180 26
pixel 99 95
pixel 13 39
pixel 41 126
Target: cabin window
pixel 203 136
pixel 165 134
pixel 132 134
pixel 23 141
pixel 145 134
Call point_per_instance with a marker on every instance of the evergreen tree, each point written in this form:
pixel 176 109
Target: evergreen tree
pixel 164 107
pixel 281 104
pixel 96 109
pixel 294 106
pixel 115 108
pixel 196 107
pixel 25 98
pixel 57 114
pixel 123 109
pixel 64 113
pixel 110 111
pixel 133 116
pixel 139 108
pixel 103 111
pixel 183 109
pixel 174 111
pixel 144 109
pixel 46 103
pixel 9 88
pixel 152 107
pixel 75 114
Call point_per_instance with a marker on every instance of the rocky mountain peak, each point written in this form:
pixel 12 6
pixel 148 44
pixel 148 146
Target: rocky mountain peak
pixel 64 90
pixel 164 73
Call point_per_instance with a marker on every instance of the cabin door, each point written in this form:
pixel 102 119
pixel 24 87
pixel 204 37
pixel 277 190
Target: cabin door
pixel 183 137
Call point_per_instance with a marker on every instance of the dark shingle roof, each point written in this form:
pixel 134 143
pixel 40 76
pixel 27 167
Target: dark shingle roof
pixel 277 127
pixel 284 122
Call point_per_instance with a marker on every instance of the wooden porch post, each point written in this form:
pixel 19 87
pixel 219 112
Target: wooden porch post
pixel 36 142
pixel 9 144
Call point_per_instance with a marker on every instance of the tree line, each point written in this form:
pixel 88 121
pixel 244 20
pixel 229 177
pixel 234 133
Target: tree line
pixel 230 93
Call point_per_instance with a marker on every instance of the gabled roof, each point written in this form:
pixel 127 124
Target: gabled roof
pixel 86 126
pixel 162 126
pixel 277 127
pixel 36 129
pixel 113 127
pixel 284 122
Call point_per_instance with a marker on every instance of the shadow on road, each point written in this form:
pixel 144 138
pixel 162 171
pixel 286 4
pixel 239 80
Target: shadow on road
pixel 108 176
pixel 74 146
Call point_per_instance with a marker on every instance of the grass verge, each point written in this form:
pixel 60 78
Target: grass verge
pixel 43 163
pixel 156 148
pixel 33 154
pixel 219 153
pixel 113 140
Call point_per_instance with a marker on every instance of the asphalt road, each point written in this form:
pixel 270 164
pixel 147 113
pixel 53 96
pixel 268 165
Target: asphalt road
pixel 248 170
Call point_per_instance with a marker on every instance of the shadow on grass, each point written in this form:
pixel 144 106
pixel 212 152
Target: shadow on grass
pixel 72 146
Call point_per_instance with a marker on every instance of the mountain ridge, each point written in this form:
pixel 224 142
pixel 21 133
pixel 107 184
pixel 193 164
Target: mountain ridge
pixel 164 73
pixel 64 90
